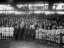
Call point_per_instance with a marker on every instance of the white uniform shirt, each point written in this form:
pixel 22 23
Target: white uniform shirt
pixel 32 26
pixel 37 31
pixel 58 31
pixel 7 31
pixel 62 30
pixel 0 29
pixel 11 29
pixel 48 32
pixel 3 30
pixel 40 30
pixel 40 33
pixel 53 31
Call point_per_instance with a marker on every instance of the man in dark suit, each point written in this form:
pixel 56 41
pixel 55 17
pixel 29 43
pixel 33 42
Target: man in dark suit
pixel 21 32
pixel 26 33
pixel 15 33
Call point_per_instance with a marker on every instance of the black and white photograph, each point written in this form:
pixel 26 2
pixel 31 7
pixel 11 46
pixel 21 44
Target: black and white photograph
pixel 31 24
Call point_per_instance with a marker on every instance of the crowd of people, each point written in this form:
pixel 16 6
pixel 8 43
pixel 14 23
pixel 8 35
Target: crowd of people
pixel 30 27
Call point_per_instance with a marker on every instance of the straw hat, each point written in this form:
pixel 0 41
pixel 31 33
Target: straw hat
pixel 60 27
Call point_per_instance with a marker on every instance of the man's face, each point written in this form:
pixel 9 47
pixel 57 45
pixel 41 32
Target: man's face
pixel 15 26
pixel 48 27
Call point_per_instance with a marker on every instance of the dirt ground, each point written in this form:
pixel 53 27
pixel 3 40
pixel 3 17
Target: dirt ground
pixel 24 44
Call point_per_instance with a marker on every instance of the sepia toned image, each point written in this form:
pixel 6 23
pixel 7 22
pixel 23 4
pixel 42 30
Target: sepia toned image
pixel 31 24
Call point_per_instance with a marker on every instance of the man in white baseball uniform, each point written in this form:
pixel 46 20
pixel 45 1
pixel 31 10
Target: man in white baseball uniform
pixel 37 33
pixel 3 32
pixel 0 32
pixel 11 32
pixel 40 34
pixel 63 37
pixel 7 32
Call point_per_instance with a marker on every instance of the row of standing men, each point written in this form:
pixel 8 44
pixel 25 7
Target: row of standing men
pixel 25 33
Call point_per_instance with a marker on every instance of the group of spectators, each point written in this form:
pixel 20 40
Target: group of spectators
pixel 27 22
